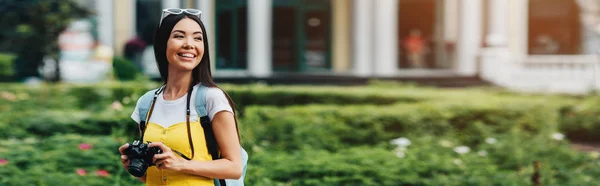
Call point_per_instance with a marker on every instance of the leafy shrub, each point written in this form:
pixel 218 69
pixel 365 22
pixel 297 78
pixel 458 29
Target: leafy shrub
pixel 429 160
pixel 6 67
pixel 336 127
pixel 124 69
pixel 55 161
pixel 312 135
pixel 581 121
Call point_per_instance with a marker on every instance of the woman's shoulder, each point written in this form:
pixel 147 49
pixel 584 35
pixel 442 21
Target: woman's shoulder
pixel 214 93
pixel 147 96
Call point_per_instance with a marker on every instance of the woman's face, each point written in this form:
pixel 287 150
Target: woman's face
pixel 185 46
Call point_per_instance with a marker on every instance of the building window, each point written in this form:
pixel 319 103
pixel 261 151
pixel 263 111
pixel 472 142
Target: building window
pixel 231 33
pixel 147 15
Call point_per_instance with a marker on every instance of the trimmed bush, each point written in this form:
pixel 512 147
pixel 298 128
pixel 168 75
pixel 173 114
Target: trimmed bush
pixel 52 134
pixel 335 127
pixel 7 70
pixel 57 159
pixel 124 69
pixel 581 121
pixel 429 160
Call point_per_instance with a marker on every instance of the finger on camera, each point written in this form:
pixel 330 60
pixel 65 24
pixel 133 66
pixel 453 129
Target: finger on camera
pixel 158 157
pixel 159 163
pixel 123 147
pixel 160 145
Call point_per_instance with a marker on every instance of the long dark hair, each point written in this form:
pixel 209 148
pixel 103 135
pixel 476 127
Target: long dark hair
pixel 201 73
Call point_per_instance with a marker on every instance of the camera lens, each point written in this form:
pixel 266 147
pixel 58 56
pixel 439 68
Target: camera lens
pixel 137 167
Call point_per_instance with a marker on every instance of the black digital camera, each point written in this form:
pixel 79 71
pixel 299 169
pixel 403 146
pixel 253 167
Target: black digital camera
pixel 140 157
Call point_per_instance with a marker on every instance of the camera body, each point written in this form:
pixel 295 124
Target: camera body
pixel 140 157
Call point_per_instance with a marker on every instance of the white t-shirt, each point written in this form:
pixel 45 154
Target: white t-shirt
pixel 170 112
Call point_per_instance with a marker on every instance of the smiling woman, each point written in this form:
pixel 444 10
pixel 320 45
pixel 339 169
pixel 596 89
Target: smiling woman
pixel 202 146
pixel 185 45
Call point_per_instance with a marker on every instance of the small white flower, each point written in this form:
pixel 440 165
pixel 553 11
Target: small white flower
pixel 126 100
pixel 462 149
pixel 558 136
pixel 116 105
pixel 400 154
pixel 482 153
pixel 401 142
pixel 446 143
pixel 491 140
pixel 457 161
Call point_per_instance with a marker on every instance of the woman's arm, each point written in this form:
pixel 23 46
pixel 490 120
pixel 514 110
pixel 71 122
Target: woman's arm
pixel 228 167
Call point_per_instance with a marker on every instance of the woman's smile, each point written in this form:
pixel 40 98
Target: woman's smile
pixel 186 56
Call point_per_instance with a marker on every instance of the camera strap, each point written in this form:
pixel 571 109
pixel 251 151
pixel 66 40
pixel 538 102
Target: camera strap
pixel 187 118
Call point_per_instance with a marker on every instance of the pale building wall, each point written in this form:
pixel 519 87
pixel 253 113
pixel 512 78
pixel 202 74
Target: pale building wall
pixel 341 33
pixel 124 23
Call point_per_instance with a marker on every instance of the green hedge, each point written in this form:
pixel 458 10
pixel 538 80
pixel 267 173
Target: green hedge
pixel 314 135
pixel 55 160
pixel 6 67
pixel 581 121
pixel 428 161
pixel 124 69
pixel 86 96
pixel 338 127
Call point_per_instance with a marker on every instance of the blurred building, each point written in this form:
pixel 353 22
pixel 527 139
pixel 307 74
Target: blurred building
pixel 512 43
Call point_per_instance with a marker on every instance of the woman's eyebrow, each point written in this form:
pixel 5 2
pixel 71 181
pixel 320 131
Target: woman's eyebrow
pixel 183 32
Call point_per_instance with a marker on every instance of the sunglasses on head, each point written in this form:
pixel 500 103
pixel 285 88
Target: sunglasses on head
pixel 168 11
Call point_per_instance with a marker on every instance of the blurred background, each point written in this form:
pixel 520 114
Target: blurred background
pixel 329 92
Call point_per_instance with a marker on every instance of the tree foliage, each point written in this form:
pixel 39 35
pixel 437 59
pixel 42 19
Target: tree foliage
pixel 30 29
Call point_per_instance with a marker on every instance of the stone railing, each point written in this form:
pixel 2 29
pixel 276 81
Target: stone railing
pixel 569 74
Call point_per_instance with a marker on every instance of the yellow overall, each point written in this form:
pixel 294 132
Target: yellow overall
pixel 176 138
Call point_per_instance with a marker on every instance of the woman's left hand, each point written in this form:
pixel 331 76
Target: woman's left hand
pixel 167 160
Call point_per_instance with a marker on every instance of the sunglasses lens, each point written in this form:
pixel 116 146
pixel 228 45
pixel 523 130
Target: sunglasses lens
pixel 174 10
pixel 192 11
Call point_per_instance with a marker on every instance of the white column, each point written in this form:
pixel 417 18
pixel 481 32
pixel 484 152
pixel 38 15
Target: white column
pixel 170 4
pixel 208 18
pixel 259 37
pixel 451 17
pixel 496 56
pixel 451 11
pixel 362 46
pixel 132 14
pixel 518 28
pixel 497 25
pixel 441 59
pixel 386 37
pixel 469 39
pixel 105 22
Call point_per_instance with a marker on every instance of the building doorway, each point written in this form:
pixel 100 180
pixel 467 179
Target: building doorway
pixel 554 27
pixel 301 35
pixel 419 34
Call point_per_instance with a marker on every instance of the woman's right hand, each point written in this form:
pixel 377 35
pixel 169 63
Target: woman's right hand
pixel 124 158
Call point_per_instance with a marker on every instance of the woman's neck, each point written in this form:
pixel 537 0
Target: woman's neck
pixel 178 85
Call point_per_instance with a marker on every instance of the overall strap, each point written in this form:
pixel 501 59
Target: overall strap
pixel 143 107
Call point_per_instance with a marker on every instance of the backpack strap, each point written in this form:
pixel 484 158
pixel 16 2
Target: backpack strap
pixel 143 107
pixel 211 141
pixel 209 135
